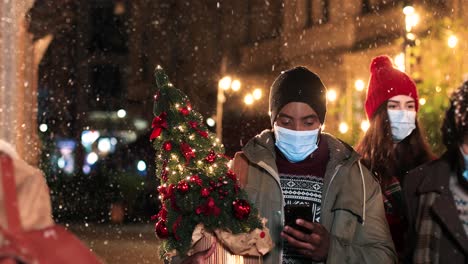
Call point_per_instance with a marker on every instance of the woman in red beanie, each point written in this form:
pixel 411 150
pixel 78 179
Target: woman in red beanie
pixel 394 143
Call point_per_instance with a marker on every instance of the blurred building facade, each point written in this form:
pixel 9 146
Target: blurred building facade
pixel 84 60
pixel 336 39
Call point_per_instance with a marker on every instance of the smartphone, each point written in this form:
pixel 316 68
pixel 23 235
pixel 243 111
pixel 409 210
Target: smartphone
pixel 296 211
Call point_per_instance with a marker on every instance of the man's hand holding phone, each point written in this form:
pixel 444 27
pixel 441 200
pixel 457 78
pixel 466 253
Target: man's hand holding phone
pixel 309 239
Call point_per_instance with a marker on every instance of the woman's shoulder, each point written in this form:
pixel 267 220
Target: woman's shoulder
pixel 428 175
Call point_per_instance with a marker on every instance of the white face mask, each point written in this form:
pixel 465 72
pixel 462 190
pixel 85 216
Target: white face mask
pixel 296 145
pixel 403 122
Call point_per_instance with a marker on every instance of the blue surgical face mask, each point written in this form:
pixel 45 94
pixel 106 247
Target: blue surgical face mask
pixel 403 122
pixel 296 145
pixel 465 158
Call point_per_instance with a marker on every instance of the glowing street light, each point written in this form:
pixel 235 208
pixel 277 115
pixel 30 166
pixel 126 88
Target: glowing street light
pixel 236 85
pixel 121 113
pixel 210 122
pixel 332 95
pixel 92 158
pixel 104 145
pixel 452 41
pixel 249 99
pixel 422 101
pixel 365 125
pixel 257 94
pixel 359 85
pixel 411 36
pixel 343 128
pixel 225 83
pixel 408 10
pixel 411 18
pixel 400 61
pixel 43 127
pixel 141 165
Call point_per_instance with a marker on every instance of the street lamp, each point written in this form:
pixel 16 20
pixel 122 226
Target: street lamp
pixel 365 125
pixel 257 94
pixel 411 20
pixel 359 85
pixel 343 128
pixel 400 61
pixel 452 41
pixel 236 85
pixel 332 95
pixel 226 83
pixel 250 98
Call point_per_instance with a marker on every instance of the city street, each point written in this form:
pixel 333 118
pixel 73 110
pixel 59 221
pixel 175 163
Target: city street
pixel 121 243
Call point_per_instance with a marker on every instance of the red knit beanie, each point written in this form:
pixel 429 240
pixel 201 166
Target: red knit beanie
pixel 386 82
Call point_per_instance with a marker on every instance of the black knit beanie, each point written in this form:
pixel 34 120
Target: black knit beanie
pixel 298 85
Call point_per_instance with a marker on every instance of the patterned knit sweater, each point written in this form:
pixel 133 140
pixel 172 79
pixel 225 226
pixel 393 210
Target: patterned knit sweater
pixel 302 184
pixel 460 197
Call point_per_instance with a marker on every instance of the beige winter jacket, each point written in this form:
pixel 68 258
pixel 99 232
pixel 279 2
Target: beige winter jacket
pixel 352 205
pixel 33 194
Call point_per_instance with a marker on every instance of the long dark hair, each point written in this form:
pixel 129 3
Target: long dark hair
pixel 383 158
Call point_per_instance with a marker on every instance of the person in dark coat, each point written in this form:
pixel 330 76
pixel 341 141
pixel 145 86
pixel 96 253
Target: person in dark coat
pixel 437 194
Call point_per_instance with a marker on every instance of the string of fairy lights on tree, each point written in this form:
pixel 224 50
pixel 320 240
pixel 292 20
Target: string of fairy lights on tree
pixel 196 184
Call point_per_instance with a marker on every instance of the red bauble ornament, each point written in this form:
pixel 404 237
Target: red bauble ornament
pixel 184 111
pixel 161 229
pixel 241 209
pixel 166 191
pixel 209 208
pixel 211 157
pixel 187 151
pixel 194 125
pixel 162 190
pixel 213 184
pixel 162 215
pixel 205 192
pixel 231 175
pixel 167 146
pixel 183 187
pixel 203 133
pixel 196 179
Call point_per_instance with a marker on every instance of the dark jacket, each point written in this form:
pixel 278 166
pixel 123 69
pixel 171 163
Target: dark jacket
pixel 436 234
pixel 352 207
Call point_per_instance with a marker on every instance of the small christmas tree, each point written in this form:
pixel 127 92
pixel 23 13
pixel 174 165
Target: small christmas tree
pixel 197 186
